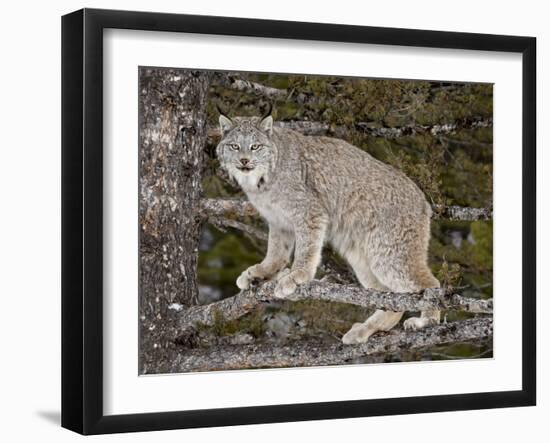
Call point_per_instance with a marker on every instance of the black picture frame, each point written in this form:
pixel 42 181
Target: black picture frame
pixel 82 215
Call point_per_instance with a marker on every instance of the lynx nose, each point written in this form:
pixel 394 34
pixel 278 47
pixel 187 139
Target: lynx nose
pixel 244 161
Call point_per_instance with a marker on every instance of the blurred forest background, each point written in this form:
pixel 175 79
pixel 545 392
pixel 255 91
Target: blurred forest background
pixel 439 134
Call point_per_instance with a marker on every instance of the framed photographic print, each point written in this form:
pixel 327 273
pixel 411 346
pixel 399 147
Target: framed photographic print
pixel 270 221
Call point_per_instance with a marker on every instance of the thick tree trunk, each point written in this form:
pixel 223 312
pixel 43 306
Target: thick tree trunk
pixel 172 133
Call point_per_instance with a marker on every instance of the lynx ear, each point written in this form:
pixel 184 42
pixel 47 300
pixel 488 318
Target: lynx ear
pixel 225 124
pixel 266 125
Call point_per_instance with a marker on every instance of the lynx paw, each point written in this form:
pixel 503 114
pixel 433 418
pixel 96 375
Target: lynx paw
pixel 359 333
pixel 288 281
pixel 282 273
pixel 285 287
pixel 243 282
pixel 248 276
pixel 416 323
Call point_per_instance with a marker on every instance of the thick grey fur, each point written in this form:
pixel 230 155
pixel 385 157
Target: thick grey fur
pixel 313 190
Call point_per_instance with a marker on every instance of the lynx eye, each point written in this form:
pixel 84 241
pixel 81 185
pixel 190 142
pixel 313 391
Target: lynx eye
pixel 255 147
pixel 233 146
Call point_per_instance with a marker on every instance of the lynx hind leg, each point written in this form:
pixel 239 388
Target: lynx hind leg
pixel 364 273
pixel 416 280
pixel 427 318
pixel 380 320
pixel 418 277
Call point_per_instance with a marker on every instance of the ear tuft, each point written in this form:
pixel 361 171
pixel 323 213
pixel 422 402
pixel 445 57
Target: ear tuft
pixel 225 124
pixel 266 125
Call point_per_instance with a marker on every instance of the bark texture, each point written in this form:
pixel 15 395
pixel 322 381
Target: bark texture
pixel 228 208
pixel 462 213
pixel 311 353
pixel 172 133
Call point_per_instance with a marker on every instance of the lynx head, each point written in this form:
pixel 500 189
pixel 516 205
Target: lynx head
pixel 247 150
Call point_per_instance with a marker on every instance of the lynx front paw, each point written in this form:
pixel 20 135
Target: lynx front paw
pixel 416 323
pixel 288 281
pixel 243 282
pixel 248 276
pixel 359 333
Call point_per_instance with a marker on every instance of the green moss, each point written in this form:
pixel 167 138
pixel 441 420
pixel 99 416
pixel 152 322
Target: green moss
pixel 463 350
pixel 449 275
pixel 472 262
pixel 251 323
pixel 482 249
pixel 329 318
pixel 220 265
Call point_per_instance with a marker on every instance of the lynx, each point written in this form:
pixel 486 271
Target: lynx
pixel 313 190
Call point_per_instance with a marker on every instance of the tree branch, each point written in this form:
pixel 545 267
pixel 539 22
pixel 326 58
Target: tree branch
pixel 237 208
pixel 227 208
pixel 321 128
pixel 222 223
pixel 245 301
pixel 253 88
pixel 310 128
pixel 462 213
pixel 304 127
pixel 316 353
pixel 408 130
